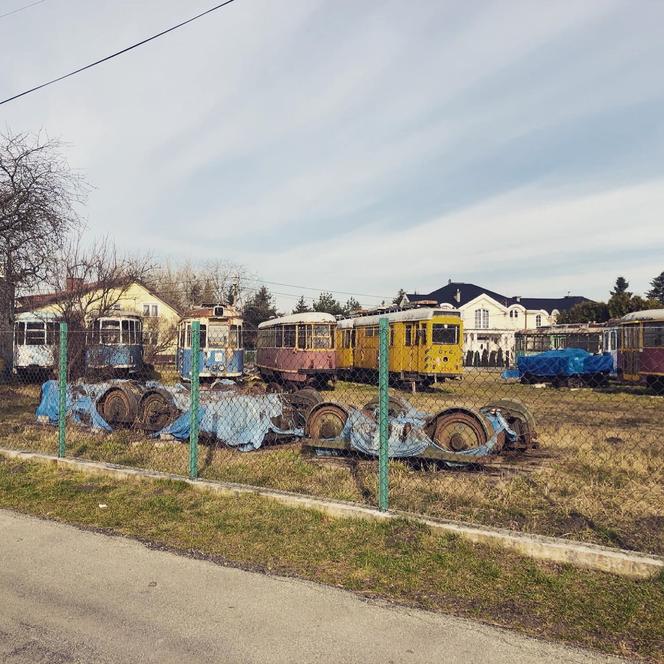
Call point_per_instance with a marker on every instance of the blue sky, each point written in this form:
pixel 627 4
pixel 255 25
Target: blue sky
pixel 367 146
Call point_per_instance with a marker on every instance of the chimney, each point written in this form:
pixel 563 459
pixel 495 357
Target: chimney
pixel 457 296
pixel 449 281
pixel 73 283
pixel 517 298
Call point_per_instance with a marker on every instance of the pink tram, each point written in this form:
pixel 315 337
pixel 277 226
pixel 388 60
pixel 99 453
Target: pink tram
pixel 641 348
pixel 297 349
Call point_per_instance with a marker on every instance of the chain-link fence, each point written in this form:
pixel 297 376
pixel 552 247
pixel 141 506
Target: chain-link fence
pixel 381 410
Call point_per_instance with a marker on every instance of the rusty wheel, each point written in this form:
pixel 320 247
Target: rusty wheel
pixel 326 421
pixel 457 431
pixel 157 410
pixel 396 406
pixel 520 420
pixel 118 407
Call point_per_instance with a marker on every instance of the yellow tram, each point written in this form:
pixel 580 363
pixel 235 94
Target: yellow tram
pixel 425 345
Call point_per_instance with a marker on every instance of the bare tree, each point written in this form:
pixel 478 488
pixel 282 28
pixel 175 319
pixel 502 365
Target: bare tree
pixel 187 284
pixel 88 281
pixel 39 194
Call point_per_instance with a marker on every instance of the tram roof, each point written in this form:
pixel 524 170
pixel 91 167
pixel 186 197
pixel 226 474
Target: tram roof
pixel 307 317
pixel 34 317
pixel 647 315
pixel 405 315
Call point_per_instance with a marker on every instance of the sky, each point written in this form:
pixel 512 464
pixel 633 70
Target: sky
pixel 362 147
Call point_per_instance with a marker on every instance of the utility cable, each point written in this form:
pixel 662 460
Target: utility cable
pixel 115 55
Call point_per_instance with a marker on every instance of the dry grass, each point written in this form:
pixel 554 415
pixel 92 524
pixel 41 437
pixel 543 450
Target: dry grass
pixel 599 476
pixel 397 560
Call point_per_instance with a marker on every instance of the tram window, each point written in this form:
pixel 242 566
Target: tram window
pixel 279 337
pixel 422 335
pixel 19 334
pixel 219 335
pixel 203 336
pixel 51 333
pixel 302 337
pixel 35 334
pixel 445 334
pixel 234 340
pixel 126 332
pixel 653 336
pixel 391 335
pixel 181 336
pixel 631 336
pixel 322 337
pixel 188 335
pixel 348 338
pixel 289 336
pixel 110 331
pixel 409 335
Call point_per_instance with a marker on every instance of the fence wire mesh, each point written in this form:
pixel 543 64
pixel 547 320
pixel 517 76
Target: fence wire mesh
pixel 566 443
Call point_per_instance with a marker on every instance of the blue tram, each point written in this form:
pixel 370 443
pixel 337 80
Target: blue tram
pixel 114 345
pixel 221 351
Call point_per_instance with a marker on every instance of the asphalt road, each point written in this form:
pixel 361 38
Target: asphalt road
pixel 67 595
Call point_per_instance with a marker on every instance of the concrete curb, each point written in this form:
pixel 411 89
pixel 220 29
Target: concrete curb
pixel 552 549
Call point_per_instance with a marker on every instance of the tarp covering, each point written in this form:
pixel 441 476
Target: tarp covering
pixel 407 436
pixel 238 420
pixel 564 362
pixel 80 404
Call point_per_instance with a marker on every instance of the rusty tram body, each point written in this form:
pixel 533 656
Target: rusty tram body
pixel 297 349
pixel 641 348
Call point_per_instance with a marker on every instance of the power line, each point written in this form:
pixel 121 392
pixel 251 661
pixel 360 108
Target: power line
pixel 20 9
pixel 319 290
pixel 114 55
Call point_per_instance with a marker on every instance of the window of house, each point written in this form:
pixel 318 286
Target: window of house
pixel 538 320
pixel 482 319
pixel 150 310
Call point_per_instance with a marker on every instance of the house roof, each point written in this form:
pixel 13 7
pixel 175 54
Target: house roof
pixel 31 302
pixel 468 292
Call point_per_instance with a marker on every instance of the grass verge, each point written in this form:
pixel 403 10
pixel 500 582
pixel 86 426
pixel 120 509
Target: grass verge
pixel 396 560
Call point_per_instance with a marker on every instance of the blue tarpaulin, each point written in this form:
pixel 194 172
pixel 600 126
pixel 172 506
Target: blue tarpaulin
pixel 408 437
pixel 564 362
pixel 238 420
pixel 80 404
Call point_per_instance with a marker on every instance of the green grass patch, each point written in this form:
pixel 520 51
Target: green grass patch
pixel 397 560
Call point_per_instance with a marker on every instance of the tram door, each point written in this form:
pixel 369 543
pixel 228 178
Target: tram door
pixel 630 353
pixel 411 348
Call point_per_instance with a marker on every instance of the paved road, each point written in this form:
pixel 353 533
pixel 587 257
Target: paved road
pixel 72 596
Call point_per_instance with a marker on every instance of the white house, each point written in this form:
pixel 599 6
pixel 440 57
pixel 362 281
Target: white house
pixel 491 319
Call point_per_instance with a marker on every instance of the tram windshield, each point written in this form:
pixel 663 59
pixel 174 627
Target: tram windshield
pixel 216 335
pixel 443 334
pixel 34 333
pixel 115 331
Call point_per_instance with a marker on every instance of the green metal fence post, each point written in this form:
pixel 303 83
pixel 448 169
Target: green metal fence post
pixel 62 391
pixel 194 409
pixel 383 382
